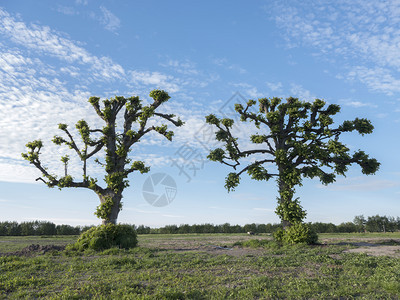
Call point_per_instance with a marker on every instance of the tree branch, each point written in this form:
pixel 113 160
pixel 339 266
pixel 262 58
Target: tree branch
pixel 169 117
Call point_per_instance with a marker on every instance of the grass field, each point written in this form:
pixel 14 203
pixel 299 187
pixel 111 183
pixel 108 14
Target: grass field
pixel 204 266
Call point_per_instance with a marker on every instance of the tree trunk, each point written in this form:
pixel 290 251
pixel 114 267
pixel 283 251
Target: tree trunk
pixel 285 196
pixel 289 209
pixel 114 213
pixel 285 224
pixel 110 211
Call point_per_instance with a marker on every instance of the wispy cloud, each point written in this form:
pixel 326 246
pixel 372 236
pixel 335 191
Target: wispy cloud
pixel 185 67
pixel 223 62
pixel 110 21
pixel 46 80
pixel 363 35
pixel 48 42
pixel 154 79
pixel 377 79
pixel 249 90
pixel 82 2
pixel 298 91
pixel 357 104
pixel 274 86
pixel 361 184
pixel 67 10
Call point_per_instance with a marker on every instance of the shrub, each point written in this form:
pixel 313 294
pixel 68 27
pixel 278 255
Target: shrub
pixel 259 244
pixel 297 233
pixel 105 237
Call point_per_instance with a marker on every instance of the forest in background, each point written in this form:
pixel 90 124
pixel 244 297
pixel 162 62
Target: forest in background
pixel 359 224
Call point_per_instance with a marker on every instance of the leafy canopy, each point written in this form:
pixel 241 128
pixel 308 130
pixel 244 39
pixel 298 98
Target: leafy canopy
pixel 116 143
pixel 298 137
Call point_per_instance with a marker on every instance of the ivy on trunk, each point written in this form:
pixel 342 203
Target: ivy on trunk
pixel 116 143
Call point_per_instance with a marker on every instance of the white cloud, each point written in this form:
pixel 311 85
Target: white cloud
pixel 83 2
pixel 274 86
pixel 248 90
pixel 67 10
pixel 361 184
pixel 154 79
pixel 185 67
pixel 377 79
pixel 303 94
pixel 361 34
pixel 223 62
pixel 109 20
pixel 38 92
pixel 49 42
pixel 357 104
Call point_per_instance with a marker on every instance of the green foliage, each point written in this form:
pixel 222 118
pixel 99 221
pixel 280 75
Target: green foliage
pixel 232 181
pixel 290 210
pixel 299 139
pixel 159 95
pixel 212 120
pixel 84 131
pixel 65 181
pixel 65 159
pixel 94 100
pixel 106 237
pixel 297 233
pixel 58 140
pixel 140 166
pixel 216 155
pixel 256 243
pixel 34 149
pixel 62 126
pixel 117 144
pixel 258 172
pixel 279 235
pixel 103 211
pixel 116 181
pixel 227 122
pixel 147 112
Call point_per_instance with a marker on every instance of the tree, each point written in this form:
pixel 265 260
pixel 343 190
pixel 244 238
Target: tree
pixel 378 224
pixel 116 143
pixel 298 140
pixel 360 222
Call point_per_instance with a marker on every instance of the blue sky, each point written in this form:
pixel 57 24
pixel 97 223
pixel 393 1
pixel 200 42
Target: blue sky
pixel 54 55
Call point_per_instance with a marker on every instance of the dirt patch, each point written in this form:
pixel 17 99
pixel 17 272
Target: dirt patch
pixel 223 250
pixel 34 249
pixel 373 246
pixel 377 250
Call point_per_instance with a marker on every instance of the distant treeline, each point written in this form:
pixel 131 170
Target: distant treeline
pixel 360 224
pixel 39 228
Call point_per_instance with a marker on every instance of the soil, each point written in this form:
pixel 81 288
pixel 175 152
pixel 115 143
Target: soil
pixel 34 249
pixel 223 245
pixel 372 246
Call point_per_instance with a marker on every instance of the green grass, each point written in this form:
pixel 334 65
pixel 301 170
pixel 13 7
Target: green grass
pixel 182 267
pixel 16 243
pixel 372 235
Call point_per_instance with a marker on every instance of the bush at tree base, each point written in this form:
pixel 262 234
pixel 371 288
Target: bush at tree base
pixel 297 233
pixel 106 236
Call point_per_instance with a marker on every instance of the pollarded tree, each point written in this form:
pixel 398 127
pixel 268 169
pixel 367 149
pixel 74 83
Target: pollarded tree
pixel 296 137
pixel 116 143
